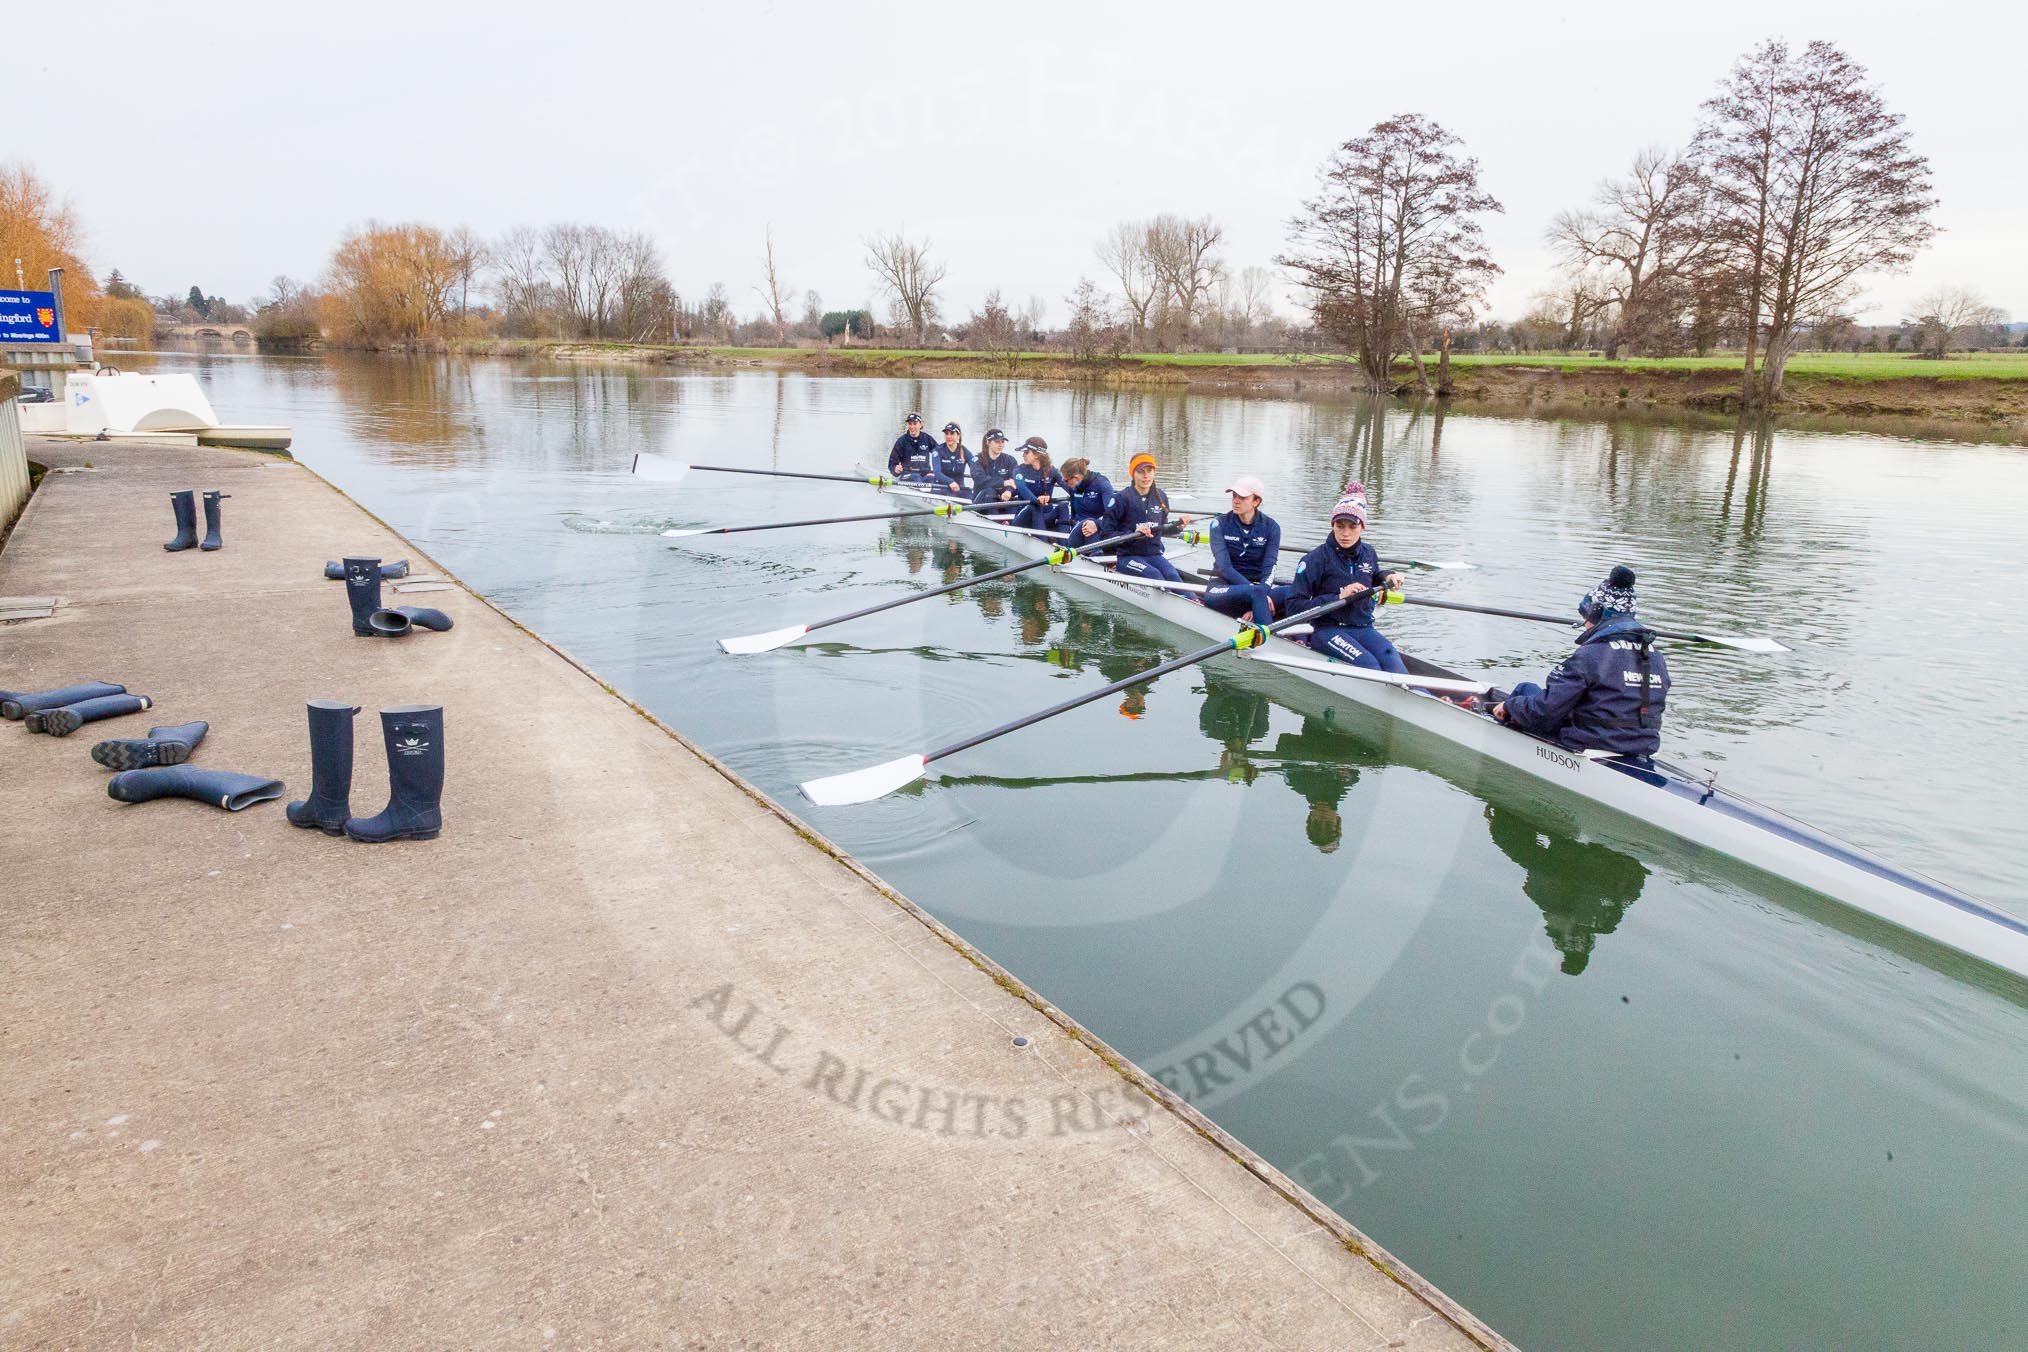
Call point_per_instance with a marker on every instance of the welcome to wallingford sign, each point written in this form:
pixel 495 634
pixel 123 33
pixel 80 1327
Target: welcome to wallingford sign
pixel 29 317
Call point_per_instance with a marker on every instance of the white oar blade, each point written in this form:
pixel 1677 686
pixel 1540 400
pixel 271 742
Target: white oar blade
pixel 683 534
pixel 763 643
pixel 1446 565
pixel 863 786
pixel 1746 645
pixel 659 468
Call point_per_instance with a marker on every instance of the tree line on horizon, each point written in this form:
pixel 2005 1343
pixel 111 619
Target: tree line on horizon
pixel 1796 182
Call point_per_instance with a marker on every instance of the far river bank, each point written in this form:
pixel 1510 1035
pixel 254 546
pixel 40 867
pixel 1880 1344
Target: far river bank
pixel 1981 407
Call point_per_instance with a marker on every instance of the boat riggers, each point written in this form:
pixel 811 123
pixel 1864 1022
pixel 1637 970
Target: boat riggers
pixel 185 506
pixel 212 538
pixel 64 721
pixel 18 704
pixel 775 638
pixel 414 734
pixel 877 781
pixel 398 621
pixel 330 800
pixel 162 746
pixel 388 571
pixel 228 789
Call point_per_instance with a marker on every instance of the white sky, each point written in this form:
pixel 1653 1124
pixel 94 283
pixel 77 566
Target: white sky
pixel 220 145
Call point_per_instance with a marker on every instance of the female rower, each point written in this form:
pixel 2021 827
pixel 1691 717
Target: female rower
pixel 1143 509
pixel 1245 542
pixel 1344 565
pixel 993 471
pixel 1036 482
pixel 949 462
pixel 1090 495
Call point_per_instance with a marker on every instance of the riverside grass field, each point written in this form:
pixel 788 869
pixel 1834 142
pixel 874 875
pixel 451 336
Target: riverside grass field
pixel 1866 366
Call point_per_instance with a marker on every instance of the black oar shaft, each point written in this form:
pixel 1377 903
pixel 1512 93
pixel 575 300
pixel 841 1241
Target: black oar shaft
pixel 817 521
pixel 791 474
pixel 1563 620
pixel 1138 678
pixel 1009 571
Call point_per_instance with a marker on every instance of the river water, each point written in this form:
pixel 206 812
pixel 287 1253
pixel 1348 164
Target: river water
pixel 1606 1095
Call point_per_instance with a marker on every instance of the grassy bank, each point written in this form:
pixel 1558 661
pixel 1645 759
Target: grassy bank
pixel 1990 388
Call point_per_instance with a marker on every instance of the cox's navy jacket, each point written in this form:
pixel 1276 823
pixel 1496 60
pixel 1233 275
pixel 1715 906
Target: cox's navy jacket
pixel 1607 695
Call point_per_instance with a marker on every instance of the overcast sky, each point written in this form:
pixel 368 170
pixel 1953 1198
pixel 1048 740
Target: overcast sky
pixel 220 145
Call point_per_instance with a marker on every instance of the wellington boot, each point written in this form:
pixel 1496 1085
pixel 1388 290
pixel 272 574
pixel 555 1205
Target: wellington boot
pixel 414 734
pixel 221 788
pixel 397 621
pixel 185 505
pixel 362 589
pixel 388 571
pixel 18 704
pixel 162 746
pixel 211 523
pixel 330 800
pixel 68 719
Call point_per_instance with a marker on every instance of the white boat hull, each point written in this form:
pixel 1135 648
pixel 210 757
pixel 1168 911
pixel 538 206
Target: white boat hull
pixel 1698 813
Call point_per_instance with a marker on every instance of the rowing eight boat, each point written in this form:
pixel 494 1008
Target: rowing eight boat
pixel 1694 809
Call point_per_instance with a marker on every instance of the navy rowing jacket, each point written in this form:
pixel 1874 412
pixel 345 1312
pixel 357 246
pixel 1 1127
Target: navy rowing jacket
pixel 1324 571
pixel 990 476
pixel 1129 509
pixel 1594 701
pixel 1243 554
pixel 1088 502
pixel 1038 485
pixel 949 466
pixel 911 454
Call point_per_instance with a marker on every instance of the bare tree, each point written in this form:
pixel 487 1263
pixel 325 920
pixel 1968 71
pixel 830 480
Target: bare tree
pixel 1951 316
pixel 468 256
pixel 1180 251
pixel 813 314
pixel 1124 253
pixel 1094 331
pixel 910 277
pixel 775 294
pixel 1814 185
pixel 1640 245
pixel 521 280
pixel 716 313
pixel 644 303
pixel 1390 245
pixel 994 329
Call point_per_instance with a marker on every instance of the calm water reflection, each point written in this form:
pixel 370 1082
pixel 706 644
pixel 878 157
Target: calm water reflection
pixel 1608 1093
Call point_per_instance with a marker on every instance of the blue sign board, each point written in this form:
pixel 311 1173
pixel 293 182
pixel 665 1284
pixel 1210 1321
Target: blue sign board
pixel 29 317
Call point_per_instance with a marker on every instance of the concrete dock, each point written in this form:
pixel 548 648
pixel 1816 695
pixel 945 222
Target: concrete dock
pixel 627 1057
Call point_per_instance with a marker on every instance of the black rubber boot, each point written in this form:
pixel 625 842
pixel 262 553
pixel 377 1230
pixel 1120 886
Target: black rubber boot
pixel 221 788
pixel 211 501
pixel 18 704
pixel 415 777
pixel 396 621
pixel 162 746
pixel 186 521
pixel 330 800
pixel 388 571
pixel 68 719
pixel 362 589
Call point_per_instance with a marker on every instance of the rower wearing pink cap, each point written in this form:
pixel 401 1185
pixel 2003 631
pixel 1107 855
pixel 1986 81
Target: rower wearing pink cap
pixel 1245 542
pixel 1345 565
